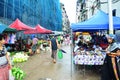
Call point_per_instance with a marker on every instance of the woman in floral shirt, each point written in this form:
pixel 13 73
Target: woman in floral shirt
pixel 4 60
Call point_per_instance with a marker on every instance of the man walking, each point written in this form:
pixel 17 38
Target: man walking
pixel 54 46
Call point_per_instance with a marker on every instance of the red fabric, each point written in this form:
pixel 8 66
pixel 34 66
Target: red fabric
pixel 104 46
pixel 30 31
pixel 18 25
pixel 38 29
pixel 4 73
pixel 28 46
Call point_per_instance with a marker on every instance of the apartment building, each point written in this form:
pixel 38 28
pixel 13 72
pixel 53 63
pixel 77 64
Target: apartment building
pixel 85 9
pixel 65 20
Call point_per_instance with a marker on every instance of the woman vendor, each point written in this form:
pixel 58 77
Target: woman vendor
pixel 4 60
pixel 110 70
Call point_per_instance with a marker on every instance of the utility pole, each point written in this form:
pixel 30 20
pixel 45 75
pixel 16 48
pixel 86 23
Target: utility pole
pixel 110 17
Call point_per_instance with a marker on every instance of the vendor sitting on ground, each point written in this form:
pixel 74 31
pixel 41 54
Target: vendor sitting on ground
pixel 45 45
pixel 34 45
pixel 28 43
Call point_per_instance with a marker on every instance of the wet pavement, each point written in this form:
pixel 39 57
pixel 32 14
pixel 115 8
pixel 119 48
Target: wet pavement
pixel 41 67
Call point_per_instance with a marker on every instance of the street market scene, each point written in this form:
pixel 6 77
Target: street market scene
pixel 59 40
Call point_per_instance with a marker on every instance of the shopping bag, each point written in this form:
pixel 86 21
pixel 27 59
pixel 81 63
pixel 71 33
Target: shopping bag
pixel 11 77
pixel 60 54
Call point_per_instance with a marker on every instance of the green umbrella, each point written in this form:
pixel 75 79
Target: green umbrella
pixel 5 28
pixel 9 30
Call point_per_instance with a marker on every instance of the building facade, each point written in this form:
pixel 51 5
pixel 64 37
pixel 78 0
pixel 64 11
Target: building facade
pixel 47 13
pixel 65 20
pixel 85 9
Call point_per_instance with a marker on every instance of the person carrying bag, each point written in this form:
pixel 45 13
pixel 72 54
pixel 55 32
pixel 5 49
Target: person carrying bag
pixel 54 45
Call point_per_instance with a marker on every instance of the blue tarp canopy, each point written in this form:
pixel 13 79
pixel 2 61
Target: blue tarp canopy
pixel 99 21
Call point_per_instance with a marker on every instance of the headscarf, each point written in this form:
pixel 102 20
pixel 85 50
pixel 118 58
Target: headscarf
pixel 115 45
pixel 112 36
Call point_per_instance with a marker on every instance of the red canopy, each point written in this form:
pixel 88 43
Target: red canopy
pixel 18 25
pixel 38 29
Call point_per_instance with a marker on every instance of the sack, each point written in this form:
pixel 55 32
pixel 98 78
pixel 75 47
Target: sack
pixel 60 55
pixel 11 77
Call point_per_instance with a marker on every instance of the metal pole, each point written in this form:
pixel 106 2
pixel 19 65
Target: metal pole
pixel 71 52
pixel 110 17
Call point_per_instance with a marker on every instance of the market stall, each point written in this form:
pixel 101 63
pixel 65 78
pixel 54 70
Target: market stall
pixel 99 21
pixel 38 30
pixel 43 44
pixel 87 50
pixel 20 27
pixel 9 35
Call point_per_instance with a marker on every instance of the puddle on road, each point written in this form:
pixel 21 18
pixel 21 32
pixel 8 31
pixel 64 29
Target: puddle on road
pixel 50 79
pixel 45 79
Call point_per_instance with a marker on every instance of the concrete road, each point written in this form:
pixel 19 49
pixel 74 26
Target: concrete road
pixel 41 67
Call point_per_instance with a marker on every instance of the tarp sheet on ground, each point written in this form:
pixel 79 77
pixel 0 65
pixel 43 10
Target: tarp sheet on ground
pixel 38 30
pixel 18 25
pixel 99 21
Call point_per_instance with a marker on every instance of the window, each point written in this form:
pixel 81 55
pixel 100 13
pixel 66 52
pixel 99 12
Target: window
pixel 114 12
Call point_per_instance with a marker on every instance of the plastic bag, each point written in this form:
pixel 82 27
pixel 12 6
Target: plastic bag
pixel 60 54
pixel 11 77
